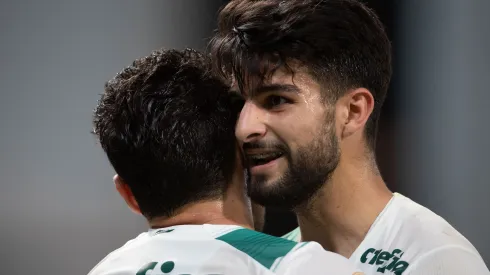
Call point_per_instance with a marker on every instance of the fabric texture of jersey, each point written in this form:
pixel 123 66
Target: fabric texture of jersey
pixel 219 250
pixel 408 238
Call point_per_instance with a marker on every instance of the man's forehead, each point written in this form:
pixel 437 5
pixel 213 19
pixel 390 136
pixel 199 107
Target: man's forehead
pixel 281 77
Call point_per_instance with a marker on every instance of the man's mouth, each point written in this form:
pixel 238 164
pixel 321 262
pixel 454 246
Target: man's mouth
pixel 258 159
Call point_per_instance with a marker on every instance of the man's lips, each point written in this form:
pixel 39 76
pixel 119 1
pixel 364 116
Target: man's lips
pixel 261 157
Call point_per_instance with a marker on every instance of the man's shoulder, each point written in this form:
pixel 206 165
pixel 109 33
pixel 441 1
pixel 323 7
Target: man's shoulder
pixel 404 234
pixel 187 248
pixel 407 233
pixel 412 223
pixel 118 257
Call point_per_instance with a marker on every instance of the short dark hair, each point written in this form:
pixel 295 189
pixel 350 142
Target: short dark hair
pixel 342 43
pixel 167 126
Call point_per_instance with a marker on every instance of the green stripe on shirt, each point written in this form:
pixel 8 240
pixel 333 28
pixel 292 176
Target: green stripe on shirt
pixel 263 248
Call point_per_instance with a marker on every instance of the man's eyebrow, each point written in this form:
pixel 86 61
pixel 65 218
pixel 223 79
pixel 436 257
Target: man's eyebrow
pixel 270 88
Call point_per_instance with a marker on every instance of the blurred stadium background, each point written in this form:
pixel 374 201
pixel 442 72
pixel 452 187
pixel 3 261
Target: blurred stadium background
pixel 59 212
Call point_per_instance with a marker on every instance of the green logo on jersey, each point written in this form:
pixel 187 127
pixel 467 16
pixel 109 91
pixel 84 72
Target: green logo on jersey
pixel 387 261
pixel 165 267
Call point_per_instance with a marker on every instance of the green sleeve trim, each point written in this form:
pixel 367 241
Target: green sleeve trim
pixel 263 248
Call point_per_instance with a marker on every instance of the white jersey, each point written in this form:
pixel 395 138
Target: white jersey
pixel 409 239
pixel 219 250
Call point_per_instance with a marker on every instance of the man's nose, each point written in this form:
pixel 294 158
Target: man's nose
pixel 250 126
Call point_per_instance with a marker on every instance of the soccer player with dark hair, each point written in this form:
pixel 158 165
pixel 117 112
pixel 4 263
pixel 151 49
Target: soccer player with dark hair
pixel 167 126
pixel 314 74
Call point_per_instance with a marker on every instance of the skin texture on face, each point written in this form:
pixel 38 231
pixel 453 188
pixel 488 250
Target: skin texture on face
pixel 286 125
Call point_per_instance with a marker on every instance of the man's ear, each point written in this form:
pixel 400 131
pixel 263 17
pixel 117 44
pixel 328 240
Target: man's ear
pixel 126 194
pixel 359 105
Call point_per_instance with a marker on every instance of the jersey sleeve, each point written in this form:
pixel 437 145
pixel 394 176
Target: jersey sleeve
pixel 449 261
pixel 310 258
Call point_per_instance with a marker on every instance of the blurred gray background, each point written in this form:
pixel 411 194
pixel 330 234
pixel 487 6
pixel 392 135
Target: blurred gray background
pixel 59 212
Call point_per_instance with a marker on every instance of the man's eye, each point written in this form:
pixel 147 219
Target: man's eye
pixel 275 101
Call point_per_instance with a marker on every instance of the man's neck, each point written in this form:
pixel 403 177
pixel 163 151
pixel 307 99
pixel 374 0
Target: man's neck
pixel 206 212
pixel 341 214
pixel 233 208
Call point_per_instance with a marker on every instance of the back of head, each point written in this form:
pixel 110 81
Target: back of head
pixel 167 127
pixel 342 44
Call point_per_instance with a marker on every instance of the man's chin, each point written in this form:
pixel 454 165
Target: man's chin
pixel 265 182
pixel 279 192
pixel 268 192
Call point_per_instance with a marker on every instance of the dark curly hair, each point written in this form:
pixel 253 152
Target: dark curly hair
pixel 167 126
pixel 342 43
